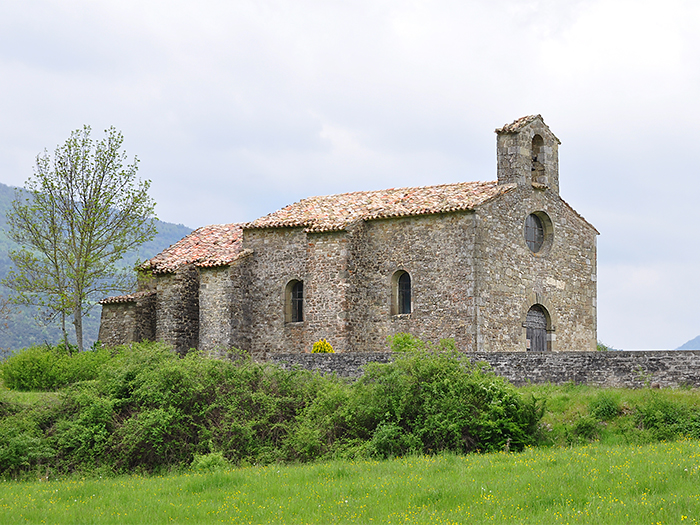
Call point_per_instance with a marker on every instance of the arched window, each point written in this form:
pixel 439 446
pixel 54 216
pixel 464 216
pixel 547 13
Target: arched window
pixel 538 160
pixel 536 328
pixel 401 293
pixel 294 302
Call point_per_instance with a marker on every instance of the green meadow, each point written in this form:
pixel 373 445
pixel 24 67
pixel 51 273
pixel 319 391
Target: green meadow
pixel 595 483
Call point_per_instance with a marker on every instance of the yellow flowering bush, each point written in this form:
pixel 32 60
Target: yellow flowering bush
pixel 322 347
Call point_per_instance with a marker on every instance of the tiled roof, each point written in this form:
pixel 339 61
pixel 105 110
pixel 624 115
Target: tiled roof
pixel 214 245
pixel 128 298
pixel 337 212
pixel 518 124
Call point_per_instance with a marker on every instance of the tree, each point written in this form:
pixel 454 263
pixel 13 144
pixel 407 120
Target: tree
pixel 85 210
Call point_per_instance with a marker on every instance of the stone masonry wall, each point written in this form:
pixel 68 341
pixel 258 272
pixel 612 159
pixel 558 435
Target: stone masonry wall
pixel 177 308
pixel 608 369
pixel 511 278
pixel 437 252
pixel 146 318
pixel 224 306
pixel 279 256
pixel 348 283
pixel 241 303
pixel 128 321
pixel 326 290
pixel 118 324
pixel 348 365
pixel 514 156
pixel 215 317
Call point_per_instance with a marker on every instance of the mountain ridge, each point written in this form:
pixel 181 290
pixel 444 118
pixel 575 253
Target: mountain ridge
pixel 693 344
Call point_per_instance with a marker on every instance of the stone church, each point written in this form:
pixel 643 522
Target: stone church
pixel 505 265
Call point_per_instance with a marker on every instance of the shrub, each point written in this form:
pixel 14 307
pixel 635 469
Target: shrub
pixel 586 429
pixel 150 410
pixel 49 368
pixel 31 369
pixel 403 342
pixel 666 419
pixel 425 402
pixel 211 462
pixel 322 347
pixel 605 406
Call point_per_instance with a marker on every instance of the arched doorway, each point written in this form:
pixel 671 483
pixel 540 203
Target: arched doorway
pixel 536 329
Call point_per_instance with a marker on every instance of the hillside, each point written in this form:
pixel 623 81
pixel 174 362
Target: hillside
pixel 23 329
pixel 693 344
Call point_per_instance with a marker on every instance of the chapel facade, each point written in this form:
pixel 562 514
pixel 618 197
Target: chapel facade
pixel 505 265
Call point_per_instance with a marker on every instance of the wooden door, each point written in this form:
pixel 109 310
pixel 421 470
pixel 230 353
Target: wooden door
pixel 536 329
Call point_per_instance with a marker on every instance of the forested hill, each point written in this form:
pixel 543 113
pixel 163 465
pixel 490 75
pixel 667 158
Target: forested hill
pixel 23 329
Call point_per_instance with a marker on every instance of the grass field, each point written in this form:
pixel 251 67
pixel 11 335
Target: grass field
pixel 656 483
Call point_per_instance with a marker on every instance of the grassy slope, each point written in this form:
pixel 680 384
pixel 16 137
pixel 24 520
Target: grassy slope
pixel 571 419
pixel 615 475
pixel 589 484
pixel 23 329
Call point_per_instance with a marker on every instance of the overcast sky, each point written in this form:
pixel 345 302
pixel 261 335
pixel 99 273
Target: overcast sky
pixel 237 108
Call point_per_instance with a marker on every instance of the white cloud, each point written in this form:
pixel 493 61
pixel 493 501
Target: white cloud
pixel 237 108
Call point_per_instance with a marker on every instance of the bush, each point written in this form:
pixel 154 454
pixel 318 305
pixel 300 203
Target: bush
pixel 31 369
pixel 212 462
pixel 423 402
pixel 667 420
pixel 148 409
pixel 322 347
pixel 46 368
pixel 605 406
pixel 586 429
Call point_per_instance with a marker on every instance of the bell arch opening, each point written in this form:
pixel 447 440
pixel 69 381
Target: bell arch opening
pixel 537 167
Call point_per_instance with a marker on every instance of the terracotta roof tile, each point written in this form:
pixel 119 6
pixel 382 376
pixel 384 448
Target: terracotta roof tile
pixel 214 245
pixel 337 212
pixel 518 124
pixel 128 298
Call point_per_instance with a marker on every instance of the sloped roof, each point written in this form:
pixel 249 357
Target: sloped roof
pixel 337 212
pixel 214 245
pixel 221 244
pixel 518 124
pixel 128 298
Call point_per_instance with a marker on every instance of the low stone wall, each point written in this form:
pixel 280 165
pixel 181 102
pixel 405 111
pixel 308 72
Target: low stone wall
pixel 347 364
pixel 612 369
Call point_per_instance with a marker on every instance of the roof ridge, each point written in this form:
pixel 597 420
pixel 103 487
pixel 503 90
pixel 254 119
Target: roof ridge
pixel 335 211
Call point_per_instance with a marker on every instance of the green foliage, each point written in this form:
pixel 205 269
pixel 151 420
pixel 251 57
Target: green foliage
pixel 23 329
pixel 586 429
pixel 423 402
pixel 83 210
pixel 23 442
pixel 147 409
pixel 403 342
pixel 143 408
pixel 591 484
pixel 577 414
pixel 48 368
pixel 667 420
pixel 322 347
pixel 605 406
pixel 211 462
